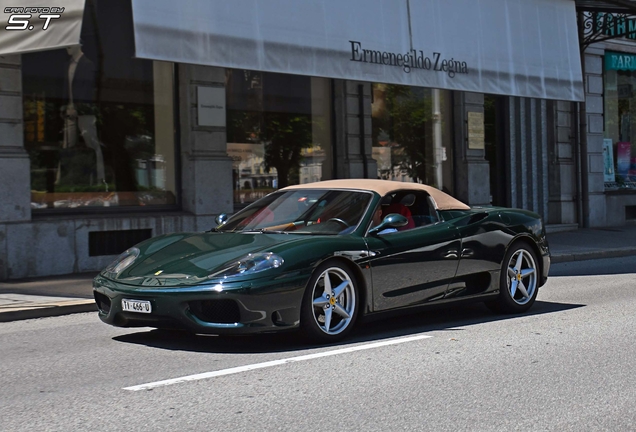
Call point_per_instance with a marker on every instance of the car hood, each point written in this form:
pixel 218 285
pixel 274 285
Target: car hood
pixel 179 259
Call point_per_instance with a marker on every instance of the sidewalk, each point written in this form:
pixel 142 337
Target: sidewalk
pixel 46 296
pixel 61 295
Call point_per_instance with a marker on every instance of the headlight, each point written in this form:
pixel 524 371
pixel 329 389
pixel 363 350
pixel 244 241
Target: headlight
pixel 123 261
pixel 251 263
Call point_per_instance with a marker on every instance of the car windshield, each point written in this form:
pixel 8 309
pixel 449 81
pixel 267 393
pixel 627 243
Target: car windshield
pixel 302 211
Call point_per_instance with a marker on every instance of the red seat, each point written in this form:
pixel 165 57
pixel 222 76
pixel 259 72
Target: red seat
pixel 400 209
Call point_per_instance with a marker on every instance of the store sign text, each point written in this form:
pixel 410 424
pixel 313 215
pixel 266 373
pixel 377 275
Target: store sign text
pixel 614 25
pixel 412 60
pixel 620 61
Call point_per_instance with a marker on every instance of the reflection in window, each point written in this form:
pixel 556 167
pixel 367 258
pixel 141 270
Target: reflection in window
pixel 303 211
pixel 411 134
pixel 278 131
pixel 99 124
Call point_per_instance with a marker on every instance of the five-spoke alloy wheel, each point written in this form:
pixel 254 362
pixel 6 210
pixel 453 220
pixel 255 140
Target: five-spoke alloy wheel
pixel 330 305
pixel 519 283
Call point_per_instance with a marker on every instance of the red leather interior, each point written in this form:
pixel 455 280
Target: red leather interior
pixel 400 209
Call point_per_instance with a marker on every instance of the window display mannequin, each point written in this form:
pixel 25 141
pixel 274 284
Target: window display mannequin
pixel 80 112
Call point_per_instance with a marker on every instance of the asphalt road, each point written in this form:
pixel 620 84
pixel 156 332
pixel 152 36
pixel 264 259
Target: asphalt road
pixel 569 365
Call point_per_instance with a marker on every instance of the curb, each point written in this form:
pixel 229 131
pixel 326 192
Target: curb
pixel 48 310
pixel 591 255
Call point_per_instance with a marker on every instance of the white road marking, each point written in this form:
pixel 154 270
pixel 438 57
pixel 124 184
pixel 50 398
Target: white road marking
pixel 246 368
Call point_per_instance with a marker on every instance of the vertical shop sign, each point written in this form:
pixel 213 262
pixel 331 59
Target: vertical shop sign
pixel 211 106
pixel 608 159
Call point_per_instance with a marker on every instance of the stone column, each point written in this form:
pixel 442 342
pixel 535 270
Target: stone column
pixel 471 167
pixel 594 206
pixel 562 167
pixel 527 134
pixel 206 167
pixel 15 176
pixel 351 156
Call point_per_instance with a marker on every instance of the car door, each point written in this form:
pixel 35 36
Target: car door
pixel 484 240
pixel 414 266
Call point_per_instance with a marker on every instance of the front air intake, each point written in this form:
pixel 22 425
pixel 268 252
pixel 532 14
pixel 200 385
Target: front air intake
pixel 103 302
pixel 216 311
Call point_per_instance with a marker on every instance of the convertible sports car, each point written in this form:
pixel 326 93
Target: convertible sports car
pixel 320 256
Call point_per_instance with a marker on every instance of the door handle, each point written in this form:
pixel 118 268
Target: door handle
pixel 452 253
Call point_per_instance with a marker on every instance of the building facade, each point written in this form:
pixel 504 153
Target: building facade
pixel 162 126
pixel 610 104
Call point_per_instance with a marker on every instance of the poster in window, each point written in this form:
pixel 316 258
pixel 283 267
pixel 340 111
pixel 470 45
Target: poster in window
pixel 623 156
pixel 608 161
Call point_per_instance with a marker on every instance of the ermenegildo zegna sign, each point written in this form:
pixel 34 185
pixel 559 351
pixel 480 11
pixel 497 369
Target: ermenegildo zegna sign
pixel 408 61
pixel 520 48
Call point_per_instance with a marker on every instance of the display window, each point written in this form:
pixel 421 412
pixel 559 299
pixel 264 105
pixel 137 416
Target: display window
pixel 412 133
pixel 278 131
pixel 98 123
pixel 619 144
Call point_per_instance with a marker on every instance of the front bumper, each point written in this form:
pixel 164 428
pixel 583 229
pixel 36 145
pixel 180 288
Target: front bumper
pixel 259 305
pixel 545 269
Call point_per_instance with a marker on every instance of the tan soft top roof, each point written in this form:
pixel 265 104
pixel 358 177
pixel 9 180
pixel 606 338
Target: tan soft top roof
pixel 442 200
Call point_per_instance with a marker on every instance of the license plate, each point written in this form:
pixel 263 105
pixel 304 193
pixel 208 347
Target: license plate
pixel 139 306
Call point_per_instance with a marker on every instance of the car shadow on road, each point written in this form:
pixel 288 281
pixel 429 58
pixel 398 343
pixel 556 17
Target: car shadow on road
pixel 374 331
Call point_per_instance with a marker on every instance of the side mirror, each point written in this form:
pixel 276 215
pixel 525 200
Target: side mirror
pixel 221 219
pixel 392 220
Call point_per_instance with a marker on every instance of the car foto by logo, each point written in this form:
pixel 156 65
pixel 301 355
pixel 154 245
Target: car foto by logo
pixel 20 18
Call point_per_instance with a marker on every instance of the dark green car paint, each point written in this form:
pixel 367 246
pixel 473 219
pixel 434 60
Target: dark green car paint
pixel 458 257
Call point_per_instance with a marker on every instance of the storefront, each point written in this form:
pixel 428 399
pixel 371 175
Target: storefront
pixel 197 108
pixel 610 69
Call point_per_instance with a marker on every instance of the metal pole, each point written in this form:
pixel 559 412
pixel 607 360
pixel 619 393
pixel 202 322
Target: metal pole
pixel 363 151
pixel 585 194
pixel 437 138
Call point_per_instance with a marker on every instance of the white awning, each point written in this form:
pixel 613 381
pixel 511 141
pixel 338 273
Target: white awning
pixel 35 25
pixel 511 47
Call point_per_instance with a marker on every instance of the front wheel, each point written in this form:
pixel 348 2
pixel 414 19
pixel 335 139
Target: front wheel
pixel 330 304
pixel 519 280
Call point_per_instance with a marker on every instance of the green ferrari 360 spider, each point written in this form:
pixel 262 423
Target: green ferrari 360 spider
pixel 322 256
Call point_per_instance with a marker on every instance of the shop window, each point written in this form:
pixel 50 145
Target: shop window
pixel 98 123
pixel 412 130
pixel 278 132
pixel 619 145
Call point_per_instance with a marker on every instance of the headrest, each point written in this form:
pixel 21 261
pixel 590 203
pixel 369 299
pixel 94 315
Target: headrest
pixel 408 200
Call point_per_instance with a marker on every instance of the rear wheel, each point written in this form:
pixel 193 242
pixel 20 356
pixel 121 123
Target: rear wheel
pixel 330 305
pixel 519 280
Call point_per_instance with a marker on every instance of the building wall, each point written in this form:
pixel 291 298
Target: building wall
pixel 595 205
pixel 206 169
pixel 58 244
pixel 41 245
pixel 527 134
pixel 472 170
pixel 14 161
pixel 604 207
pixel 350 129
pixel 562 168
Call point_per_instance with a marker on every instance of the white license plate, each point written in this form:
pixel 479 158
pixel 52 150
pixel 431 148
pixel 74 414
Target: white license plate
pixel 139 306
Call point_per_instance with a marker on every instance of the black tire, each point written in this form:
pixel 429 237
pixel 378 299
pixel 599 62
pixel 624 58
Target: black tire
pixel 518 281
pixel 342 308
